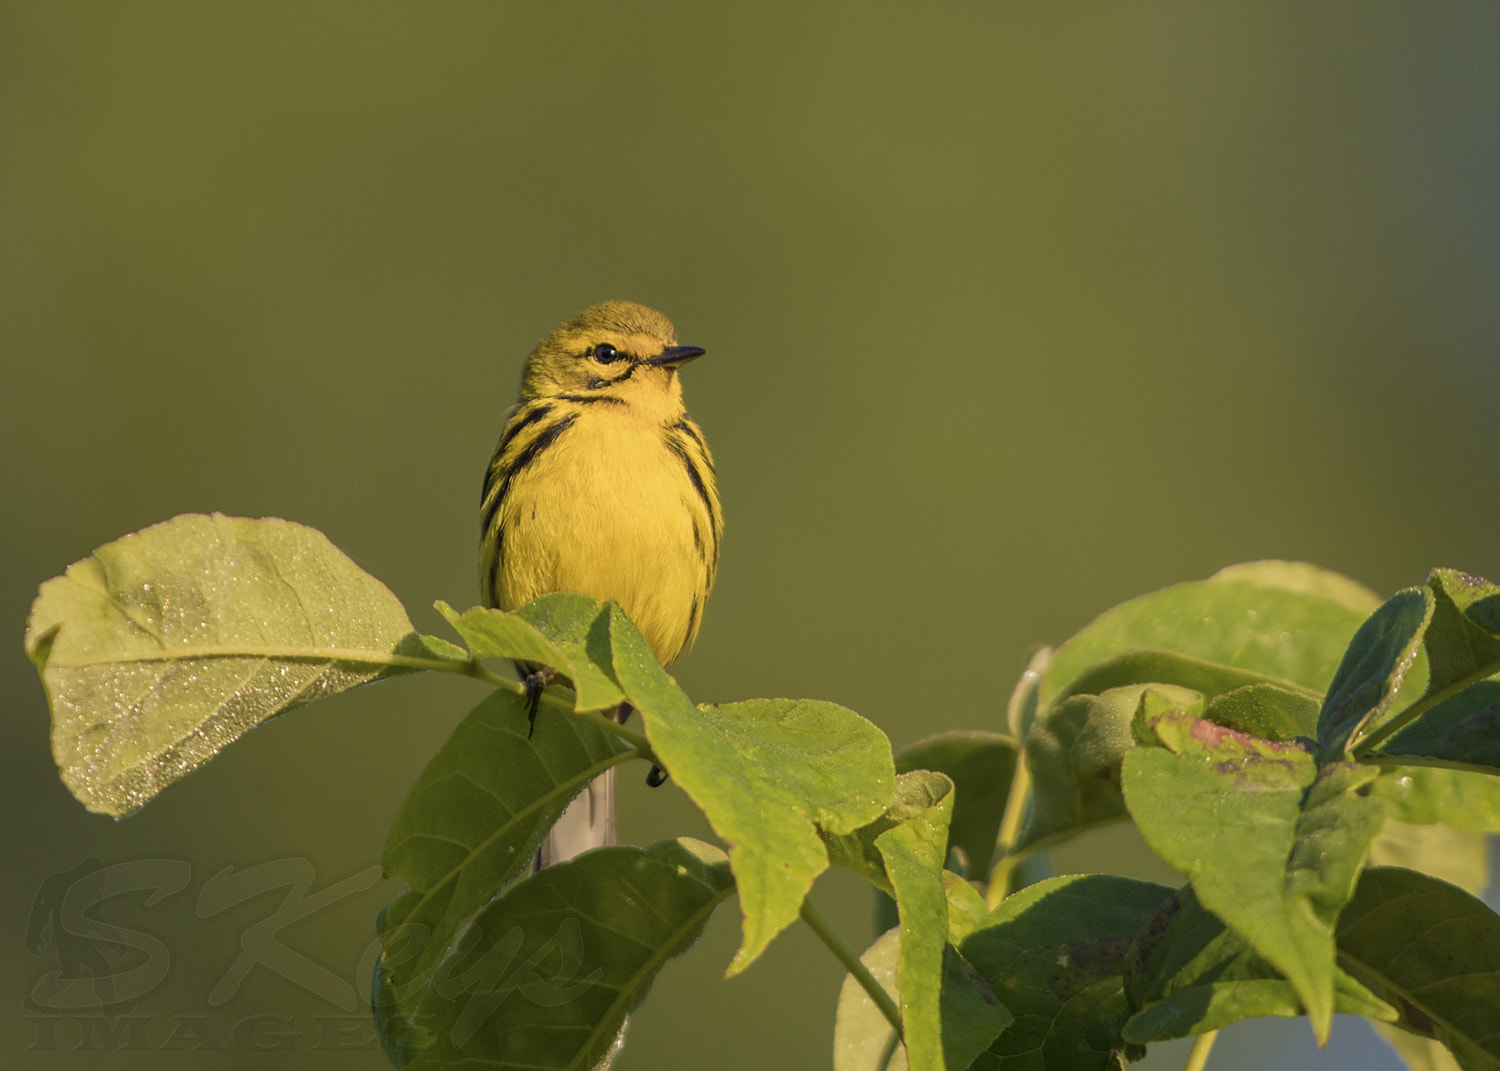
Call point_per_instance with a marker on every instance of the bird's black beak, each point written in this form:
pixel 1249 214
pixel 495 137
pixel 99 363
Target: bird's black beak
pixel 674 356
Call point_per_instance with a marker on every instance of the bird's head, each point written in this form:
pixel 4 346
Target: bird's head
pixel 617 349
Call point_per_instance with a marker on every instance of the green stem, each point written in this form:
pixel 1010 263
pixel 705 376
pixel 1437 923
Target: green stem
pixel 1420 707
pixel 476 669
pixel 858 970
pixel 1010 828
pixel 630 736
pixel 1199 1054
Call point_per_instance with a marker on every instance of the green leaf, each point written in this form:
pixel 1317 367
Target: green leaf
pixel 768 774
pixel 1457 856
pixel 966 907
pixel 1379 656
pixel 578 626
pixel 980 765
pixel 1418 1053
pixel 1273 845
pixel 1423 795
pixel 913 854
pixel 166 645
pixel 862 1039
pixel 916 792
pixel 544 976
pixel 1266 711
pixel 491 633
pixel 1306 579
pixel 1054 954
pixel 564 630
pixel 1462 732
pixel 1433 952
pixel 1275 620
pixel 1188 974
pixel 1074 754
pixel 1464 640
pixel 478 812
pixel 1165 667
pixel 1025 697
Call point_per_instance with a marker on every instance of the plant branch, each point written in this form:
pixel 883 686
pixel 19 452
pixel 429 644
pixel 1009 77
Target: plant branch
pixel 630 736
pixel 1010 829
pixel 476 669
pixel 858 970
pixel 1198 1057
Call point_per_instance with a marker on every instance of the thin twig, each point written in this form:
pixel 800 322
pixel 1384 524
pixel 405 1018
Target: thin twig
pixel 852 964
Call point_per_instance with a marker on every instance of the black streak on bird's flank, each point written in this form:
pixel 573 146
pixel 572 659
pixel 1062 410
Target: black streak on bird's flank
pixel 687 428
pixel 692 618
pixel 517 425
pixel 534 449
pixel 692 471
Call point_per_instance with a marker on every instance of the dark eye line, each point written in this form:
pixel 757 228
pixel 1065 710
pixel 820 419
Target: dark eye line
pixel 604 353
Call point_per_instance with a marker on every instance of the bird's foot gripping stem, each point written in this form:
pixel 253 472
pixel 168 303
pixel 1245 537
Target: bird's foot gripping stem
pixel 535 679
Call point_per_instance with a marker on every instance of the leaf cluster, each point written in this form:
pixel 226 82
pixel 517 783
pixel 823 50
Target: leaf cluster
pixel 1319 766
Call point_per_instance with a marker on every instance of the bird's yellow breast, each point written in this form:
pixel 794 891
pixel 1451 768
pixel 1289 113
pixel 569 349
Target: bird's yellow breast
pixel 611 510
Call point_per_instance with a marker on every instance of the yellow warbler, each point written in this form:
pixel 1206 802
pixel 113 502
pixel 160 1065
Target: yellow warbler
pixel 602 484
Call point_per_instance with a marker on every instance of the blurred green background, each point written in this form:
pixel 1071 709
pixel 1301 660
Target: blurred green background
pixel 1012 313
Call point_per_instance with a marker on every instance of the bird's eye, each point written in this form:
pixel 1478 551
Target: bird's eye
pixel 604 353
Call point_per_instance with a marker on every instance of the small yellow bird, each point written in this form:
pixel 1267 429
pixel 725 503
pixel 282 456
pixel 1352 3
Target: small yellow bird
pixel 602 484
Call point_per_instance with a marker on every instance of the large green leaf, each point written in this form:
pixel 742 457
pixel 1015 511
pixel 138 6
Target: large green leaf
pixel 1306 579
pixel 1189 974
pixel 980 765
pixel 478 812
pixel 1054 954
pixel 166 645
pixel 1433 952
pixel 545 976
pixel 1277 620
pixel 768 774
pixel 1273 844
